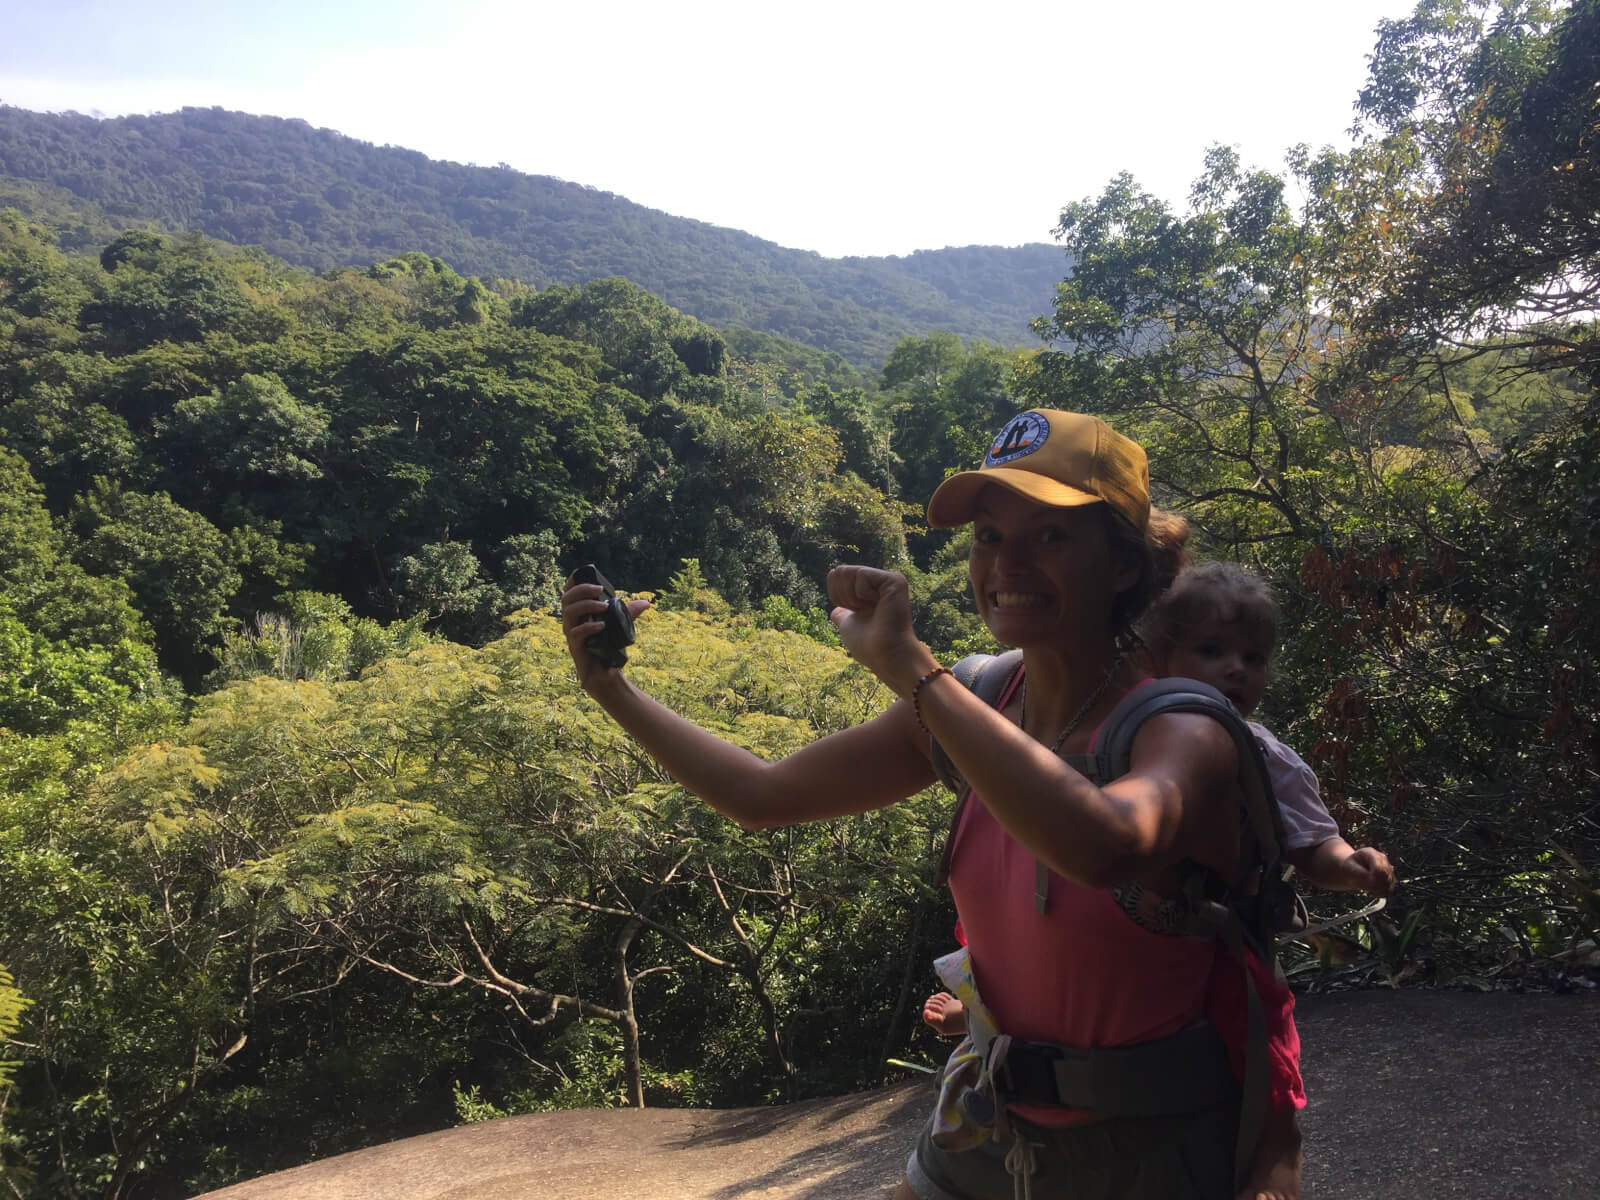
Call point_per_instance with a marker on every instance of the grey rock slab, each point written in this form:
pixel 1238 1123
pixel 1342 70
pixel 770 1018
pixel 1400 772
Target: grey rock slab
pixel 1477 1096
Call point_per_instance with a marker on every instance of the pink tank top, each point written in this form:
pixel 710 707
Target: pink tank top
pixel 1079 974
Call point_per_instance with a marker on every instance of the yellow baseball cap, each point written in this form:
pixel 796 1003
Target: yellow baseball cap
pixel 1062 459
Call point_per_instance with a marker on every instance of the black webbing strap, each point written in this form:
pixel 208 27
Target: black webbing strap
pixel 1211 918
pixel 1255 1086
pixel 1187 1072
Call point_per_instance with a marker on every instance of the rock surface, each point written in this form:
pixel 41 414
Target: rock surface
pixel 1414 1093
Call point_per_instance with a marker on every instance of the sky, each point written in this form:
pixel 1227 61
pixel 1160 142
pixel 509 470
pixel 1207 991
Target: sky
pixel 872 127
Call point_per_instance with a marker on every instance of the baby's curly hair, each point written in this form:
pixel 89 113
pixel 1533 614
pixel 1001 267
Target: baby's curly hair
pixel 1209 591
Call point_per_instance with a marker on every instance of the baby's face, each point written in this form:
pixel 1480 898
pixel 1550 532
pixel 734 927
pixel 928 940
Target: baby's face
pixel 1232 657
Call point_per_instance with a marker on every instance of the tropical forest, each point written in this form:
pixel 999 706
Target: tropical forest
pixel 309 838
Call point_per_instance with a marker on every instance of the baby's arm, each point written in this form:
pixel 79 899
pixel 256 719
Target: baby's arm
pixel 1313 844
pixel 1338 866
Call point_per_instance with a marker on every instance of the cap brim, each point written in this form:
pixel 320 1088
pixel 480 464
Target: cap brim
pixel 955 501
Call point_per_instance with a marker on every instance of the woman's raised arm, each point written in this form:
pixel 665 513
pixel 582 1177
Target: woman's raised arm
pixel 1176 802
pixel 854 770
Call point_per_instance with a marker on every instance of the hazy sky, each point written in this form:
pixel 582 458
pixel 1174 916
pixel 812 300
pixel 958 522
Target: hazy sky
pixel 869 127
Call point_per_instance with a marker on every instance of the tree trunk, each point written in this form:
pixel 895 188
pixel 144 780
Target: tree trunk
pixel 633 1065
pixel 769 1019
pixel 902 1003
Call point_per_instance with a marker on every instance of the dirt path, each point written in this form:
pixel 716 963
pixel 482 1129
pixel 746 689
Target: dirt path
pixel 1438 1094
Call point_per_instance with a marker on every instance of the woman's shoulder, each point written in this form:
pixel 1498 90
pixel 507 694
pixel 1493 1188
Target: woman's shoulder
pixel 1193 738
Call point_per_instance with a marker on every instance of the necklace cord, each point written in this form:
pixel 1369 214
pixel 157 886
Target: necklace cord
pixel 1083 710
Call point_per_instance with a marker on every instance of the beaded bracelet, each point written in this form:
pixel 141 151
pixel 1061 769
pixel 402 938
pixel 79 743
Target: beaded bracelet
pixel 916 695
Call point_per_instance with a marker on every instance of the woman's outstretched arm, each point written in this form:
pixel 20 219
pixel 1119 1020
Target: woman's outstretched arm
pixel 854 770
pixel 1176 802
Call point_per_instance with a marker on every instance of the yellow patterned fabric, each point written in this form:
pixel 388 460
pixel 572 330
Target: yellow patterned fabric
pixel 966 1113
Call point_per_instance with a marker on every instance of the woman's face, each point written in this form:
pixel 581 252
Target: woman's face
pixel 1038 570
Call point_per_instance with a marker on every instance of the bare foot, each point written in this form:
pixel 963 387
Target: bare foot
pixel 946 1014
pixel 1276 1173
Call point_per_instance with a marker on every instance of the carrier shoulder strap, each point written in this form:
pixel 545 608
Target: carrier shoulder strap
pixel 1262 849
pixel 985 676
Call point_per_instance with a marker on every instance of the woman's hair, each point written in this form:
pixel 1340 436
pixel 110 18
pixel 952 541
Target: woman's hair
pixel 1162 552
pixel 1210 591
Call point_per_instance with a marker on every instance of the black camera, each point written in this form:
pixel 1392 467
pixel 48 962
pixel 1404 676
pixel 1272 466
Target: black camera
pixel 609 646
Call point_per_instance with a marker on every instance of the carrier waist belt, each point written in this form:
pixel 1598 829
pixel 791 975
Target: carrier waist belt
pixel 1186 1072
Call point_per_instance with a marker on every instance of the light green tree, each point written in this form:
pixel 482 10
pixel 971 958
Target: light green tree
pixel 12 1005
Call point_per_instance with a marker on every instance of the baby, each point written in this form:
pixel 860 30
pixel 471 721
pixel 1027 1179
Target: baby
pixel 1217 623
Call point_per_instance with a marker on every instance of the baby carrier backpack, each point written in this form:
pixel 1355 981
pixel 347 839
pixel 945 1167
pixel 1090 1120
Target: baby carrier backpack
pixel 1184 1072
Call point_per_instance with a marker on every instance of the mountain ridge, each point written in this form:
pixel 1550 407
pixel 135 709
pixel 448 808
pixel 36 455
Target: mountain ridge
pixel 321 200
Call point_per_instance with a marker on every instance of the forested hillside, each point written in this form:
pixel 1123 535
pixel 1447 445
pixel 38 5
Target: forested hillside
pixel 215 427
pixel 309 838
pixel 317 199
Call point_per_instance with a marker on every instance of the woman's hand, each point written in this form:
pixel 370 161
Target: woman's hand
pixel 581 606
pixel 873 616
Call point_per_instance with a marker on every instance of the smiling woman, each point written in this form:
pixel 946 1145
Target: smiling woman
pixel 1065 557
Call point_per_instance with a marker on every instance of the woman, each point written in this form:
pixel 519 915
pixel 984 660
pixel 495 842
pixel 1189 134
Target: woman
pixel 1062 563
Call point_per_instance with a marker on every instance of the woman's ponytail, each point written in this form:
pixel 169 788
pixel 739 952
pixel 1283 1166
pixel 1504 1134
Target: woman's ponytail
pixel 1168 535
pixel 1162 550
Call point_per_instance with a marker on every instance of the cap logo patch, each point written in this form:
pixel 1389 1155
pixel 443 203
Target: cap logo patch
pixel 1022 435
